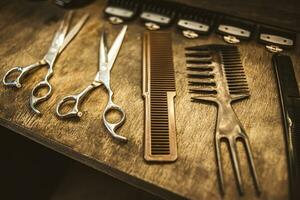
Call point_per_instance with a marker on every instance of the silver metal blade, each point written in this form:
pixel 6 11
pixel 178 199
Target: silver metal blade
pixel 58 39
pixel 103 52
pixel 114 50
pixel 73 32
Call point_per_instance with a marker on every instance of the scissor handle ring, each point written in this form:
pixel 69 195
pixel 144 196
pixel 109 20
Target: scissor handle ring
pixel 74 111
pixel 35 99
pixel 23 71
pixel 16 82
pixel 112 127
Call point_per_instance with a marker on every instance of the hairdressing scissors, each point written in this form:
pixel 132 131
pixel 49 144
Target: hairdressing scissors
pixel 106 61
pixel 59 42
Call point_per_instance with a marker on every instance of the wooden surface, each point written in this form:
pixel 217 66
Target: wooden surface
pixel 25 34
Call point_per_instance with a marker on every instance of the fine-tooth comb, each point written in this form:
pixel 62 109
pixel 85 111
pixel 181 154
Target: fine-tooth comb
pixel 234 30
pixel 290 106
pixel 119 11
pixel 276 40
pixel 159 93
pixel 194 21
pixel 157 14
pixel 216 75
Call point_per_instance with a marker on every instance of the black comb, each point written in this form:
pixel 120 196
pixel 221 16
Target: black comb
pixel 234 30
pixel 118 11
pixel 276 39
pixel 157 14
pixel 216 74
pixel 290 105
pixel 194 21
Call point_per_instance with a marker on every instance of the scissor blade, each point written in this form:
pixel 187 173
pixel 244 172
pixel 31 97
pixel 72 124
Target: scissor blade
pixel 58 39
pixel 114 50
pixel 73 32
pixel 103 52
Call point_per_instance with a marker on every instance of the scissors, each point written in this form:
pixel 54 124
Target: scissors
pixel 59 42
pixel 106 62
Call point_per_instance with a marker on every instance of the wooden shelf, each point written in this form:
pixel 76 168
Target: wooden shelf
pixel 27 30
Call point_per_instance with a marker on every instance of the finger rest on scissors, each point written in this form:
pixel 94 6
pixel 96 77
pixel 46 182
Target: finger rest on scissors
pixel 68 101
pixel 36 96
pixel 13 76
pixel 112 127
pixel 16 74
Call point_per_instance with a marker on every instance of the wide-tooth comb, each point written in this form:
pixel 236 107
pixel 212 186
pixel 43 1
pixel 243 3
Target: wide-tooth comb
pixel 216 75
pixel 159 92
pixel 234 30
pixel 194 21
pixel 276 40
pixel 157 14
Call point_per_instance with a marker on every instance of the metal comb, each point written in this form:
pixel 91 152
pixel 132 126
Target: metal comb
pixel 159 92
pixel 216 75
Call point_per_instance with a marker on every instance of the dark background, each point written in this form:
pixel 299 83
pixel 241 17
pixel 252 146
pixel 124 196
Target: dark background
pixel 31 171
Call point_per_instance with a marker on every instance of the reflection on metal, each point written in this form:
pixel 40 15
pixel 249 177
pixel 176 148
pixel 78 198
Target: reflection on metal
pixel 190 34
pixel 231 39
pixel 152 26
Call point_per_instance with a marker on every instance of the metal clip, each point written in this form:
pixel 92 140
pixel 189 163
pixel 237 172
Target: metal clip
pixel 273 48
pixel 153 20
pixel 190 28
pixel 190 34
pixel 152 26
pixel 276 42
pixel 231 39
pixel 115 20
pixel 233 32
pixel 117 14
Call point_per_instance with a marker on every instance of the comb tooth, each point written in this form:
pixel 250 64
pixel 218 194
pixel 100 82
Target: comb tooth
pixel 206 98
pixel 203 91
pixel 197 48
pixel 199 61
pixel 230 79
pixel 201 75
pixel 202 83
pixel 235 68
pixel 198 54
pixel 238 85
pixel 200 68
pixel 239 89
pixel 239 92
pixel 231 62
pixel 234 81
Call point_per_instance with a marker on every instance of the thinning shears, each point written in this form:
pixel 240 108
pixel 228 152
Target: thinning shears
pixel 106 62
pixel 59 42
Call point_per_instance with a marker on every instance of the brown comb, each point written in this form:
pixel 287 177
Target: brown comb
pixel 216 74
pixel 159 92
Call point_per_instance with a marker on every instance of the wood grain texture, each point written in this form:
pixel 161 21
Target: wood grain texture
pixel 25 34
